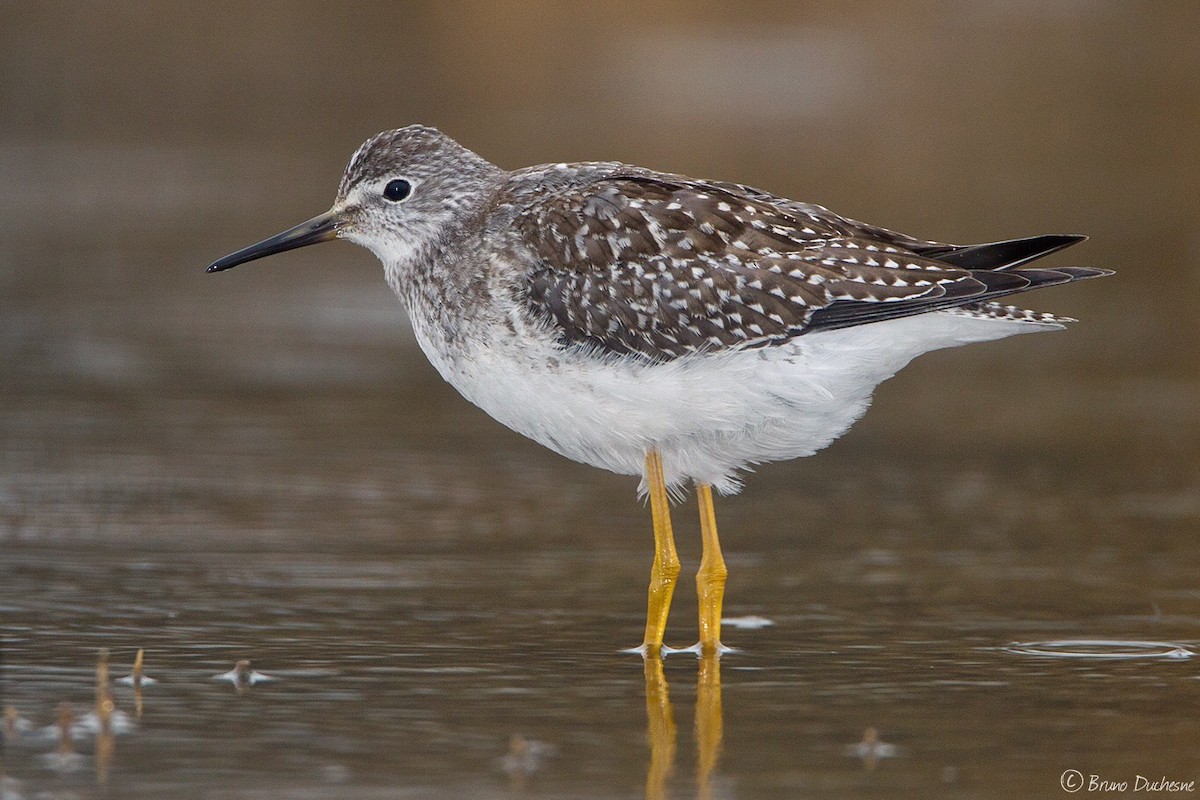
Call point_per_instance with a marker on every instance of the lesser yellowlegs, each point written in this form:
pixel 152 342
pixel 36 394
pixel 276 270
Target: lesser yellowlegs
pixel 657 325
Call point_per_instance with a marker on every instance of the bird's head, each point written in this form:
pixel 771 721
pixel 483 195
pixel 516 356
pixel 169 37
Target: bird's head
pixel 403 190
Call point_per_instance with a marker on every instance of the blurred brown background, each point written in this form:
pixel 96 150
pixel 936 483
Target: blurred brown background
pixel 140 141
pixel 144 125
pixel 259 464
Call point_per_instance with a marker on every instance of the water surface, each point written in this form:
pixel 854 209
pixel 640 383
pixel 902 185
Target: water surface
pixel 260 466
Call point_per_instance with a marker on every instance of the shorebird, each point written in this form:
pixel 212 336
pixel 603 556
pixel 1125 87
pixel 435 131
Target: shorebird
pixel 656 325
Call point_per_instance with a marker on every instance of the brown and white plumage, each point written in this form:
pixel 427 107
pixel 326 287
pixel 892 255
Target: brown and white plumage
pixel 605 310
pixel 664 266
pixel 657 325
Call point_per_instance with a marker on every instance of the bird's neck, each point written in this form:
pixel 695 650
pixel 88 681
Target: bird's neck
pixel 443 284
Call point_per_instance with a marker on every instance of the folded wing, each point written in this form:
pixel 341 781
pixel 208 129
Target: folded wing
pixel 663 266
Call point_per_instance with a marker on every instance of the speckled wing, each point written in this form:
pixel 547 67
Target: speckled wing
pixel 662 267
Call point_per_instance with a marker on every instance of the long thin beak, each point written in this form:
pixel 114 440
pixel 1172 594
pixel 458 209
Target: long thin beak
pixel 321 228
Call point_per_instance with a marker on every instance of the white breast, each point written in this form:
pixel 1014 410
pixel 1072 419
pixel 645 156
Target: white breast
pixel 710 415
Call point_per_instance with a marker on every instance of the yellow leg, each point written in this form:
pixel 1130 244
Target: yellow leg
pixel 710 580
pixel 665 569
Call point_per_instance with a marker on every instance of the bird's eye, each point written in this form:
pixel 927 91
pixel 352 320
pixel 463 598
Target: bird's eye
pixel 397 190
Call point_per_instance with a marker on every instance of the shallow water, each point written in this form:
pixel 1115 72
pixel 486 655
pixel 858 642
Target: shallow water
pixel 989 582
pixel 442 606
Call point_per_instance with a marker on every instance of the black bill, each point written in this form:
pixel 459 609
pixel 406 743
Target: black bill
pixel 322 228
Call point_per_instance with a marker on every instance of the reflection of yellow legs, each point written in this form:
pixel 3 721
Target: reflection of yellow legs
pixel 104 710
pixel 710 726
pixel 661 732
pixel 665 570
pixel 710 580
pixel 660 729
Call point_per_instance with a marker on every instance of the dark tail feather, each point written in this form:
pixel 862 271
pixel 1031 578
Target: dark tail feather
pixel 1083 273
pixel 986 287
pixel 1007 255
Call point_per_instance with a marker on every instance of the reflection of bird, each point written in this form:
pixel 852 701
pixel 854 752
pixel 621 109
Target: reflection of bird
pixel 243 675
pixel 15 725
pixel 137 677
pixel 871 749
pixel 524 758
pixel 656 325
pixel 64 759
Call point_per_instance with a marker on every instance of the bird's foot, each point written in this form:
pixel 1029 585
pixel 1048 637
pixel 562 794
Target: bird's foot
pixel 702 649
pixel 646 650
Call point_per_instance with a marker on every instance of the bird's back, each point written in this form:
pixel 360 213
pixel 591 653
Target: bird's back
pixel 638 263
pixel 720 324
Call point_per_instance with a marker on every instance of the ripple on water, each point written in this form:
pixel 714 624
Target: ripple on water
pixel 1109 649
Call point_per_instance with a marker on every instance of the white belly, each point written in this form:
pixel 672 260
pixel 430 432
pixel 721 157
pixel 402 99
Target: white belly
pixel 709 415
